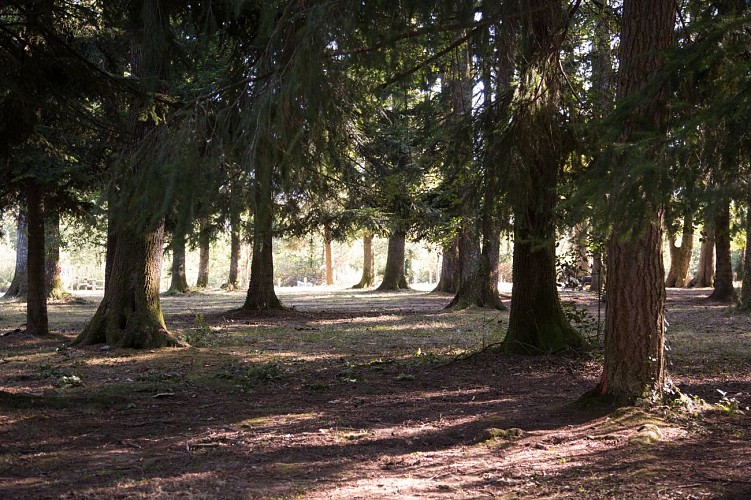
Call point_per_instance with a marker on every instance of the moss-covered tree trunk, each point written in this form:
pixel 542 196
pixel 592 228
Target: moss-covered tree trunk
pixel 368 263
pixel 204 245
pixel 723 280
pixel 233 281
pixel 680 255
pixel 130 313
pixel 393 276
pixel 179 280
pixel 705 270
pixel 53 277
pixel 537 324
pixel 36 299
pixel 635 323
pixel 261 295
pixel 19 284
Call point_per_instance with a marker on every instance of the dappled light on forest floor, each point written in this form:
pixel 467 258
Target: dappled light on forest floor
pixel 352 403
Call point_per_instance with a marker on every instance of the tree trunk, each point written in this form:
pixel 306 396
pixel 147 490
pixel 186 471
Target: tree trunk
pixel 19 284
pixel 449 279
pixel 745 302
pixel 53 279
pixel 327 254
pixel 680 256
pixel 537 324
pixel 481 288
pixel 368 263
pixel 36 302
pixel 130 314
pixel 393 276
pixel 705 271
pixel 179 281
pixel 723 282
pixel 233 282
pixel 261 295
pixel 204 244
pixel 597 274
pixel 635 323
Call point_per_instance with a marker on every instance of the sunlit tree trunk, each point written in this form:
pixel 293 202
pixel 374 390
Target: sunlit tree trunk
pixel 448 282
pixel 635 323
pixel 204 245
pixel 705 270
pixel 329 262
pixel 235 244
pixel 36 300
pixel 393 276
pixel 52 273
pixel 368 263
pixel 680 256
pixel 723 281
pixel 179 281
pixel 19 284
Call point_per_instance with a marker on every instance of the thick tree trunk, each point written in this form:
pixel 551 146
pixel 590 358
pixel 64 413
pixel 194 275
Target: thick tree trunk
pixel 368 263
pixel 745 300
pixel 36 301
pixel 19 284
pixel 329 263
pixel 680 256
pixel 233 282
pixel 204 244
pixel 179 281
pixel 449 279
pixel 635 323
pixel 393 276
pixel 705 271
pixel 723 281
pixel 537 324
pixel 261 295
pixel 53 278
pixel 130 314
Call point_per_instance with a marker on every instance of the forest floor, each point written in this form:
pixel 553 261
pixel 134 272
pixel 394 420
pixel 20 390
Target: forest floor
pixel 355 394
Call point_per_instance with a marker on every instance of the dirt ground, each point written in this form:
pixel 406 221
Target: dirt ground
pixel 355 394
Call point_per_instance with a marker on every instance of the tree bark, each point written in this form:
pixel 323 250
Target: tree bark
pixel 233 282
pixel 368 263
pixel 449 279
pixel 36 301
pixel 393 276
pixel 329 263
pixel 723 282
pixel 635 323
pixel 261 295
pixel 53 279
pixel 204 245
pixel 705 271
pixel 537 324
pixel 680 256
pixel 19 284
pixel 179 281
pixel 130 314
